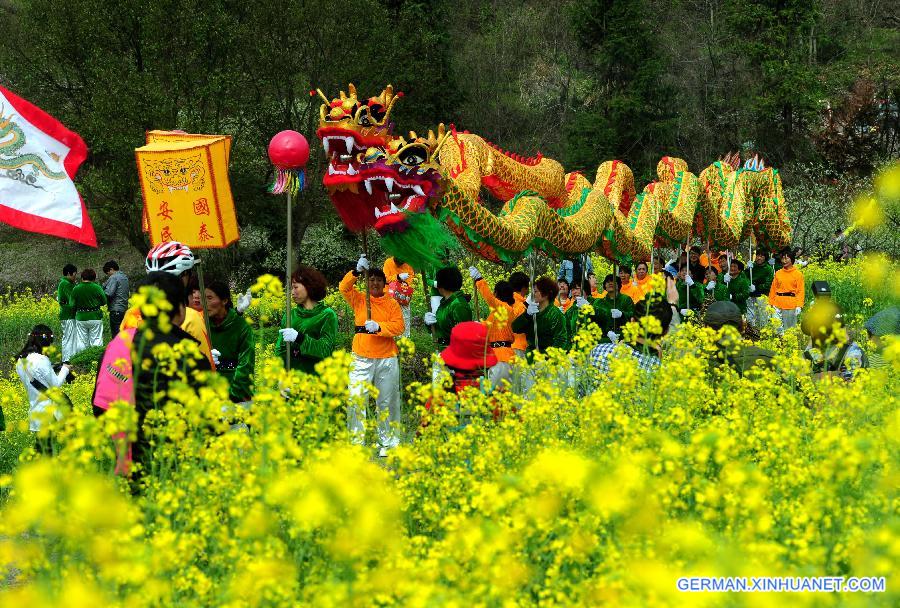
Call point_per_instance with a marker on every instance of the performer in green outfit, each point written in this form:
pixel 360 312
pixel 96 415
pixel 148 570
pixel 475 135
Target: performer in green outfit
pixel 760 274
pixel 232 341
pixel 690 293
pixel 67 311
pixel 88 298
pixel 738 285
pixel 552 328
pixel 714 287
pixel 612 309
pixel 313 331
pixel 454 307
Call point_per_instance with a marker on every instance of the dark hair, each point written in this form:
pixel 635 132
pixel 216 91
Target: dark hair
pixel 88 274
pixel 69 269
pixel 449 278
pixel 609 278
pixel 661 311
pixel 563 280
pixel 548 287
pixel 378 273
pixel 312 280
pixel 762 252
pixel 193 285
pixel 696 249
pixel 740 265
pixel 110 265
pixel 625 268
pixel 40 337
pixel 504 292
pixel 169 284
pixel 518 281
pixel 646 265
pixel 220 288
pixel 787 251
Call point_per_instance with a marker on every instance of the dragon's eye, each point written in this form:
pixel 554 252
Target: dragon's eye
pixel 183 170
pixel 165 171
pixel 413 156
pixel 377 111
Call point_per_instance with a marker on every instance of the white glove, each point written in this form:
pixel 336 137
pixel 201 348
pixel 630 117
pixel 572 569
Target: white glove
pixel 710 286
pixel 580 301
pixel 65 369
pixel 215 355
pixel 752 287
pixel 802 263
pixel 684 312
pixel 243 302
pixel 430 318
pixel 362 264
pixel 688 280
pixel 533 309
pixel 771 261
pixel 616 313
pixel 403 276
pixel 798 309
pixel 749 264
pixel 289 334
pixel 473 272
pixel 372 326
pixel 613 336
pixel 634 283
pixel 727 278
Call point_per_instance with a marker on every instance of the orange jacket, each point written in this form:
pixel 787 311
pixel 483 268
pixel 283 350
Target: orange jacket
pixel 565 306
pixel 787 282
pixel 520 341
pixel 498 332
pixel 391 270
pixel 632 291
pixel 385 311
pixel 193 324
pixel 716 261
pixel 643 287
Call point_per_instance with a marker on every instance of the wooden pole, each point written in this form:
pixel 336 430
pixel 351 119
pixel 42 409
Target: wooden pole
pixel 287 282
pixel 365 243
pixel 202 285
pixel 532 264
pixel 477 308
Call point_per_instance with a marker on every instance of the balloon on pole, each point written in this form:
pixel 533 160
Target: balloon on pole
pixel 289 152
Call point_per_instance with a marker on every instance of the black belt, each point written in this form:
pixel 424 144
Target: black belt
pixel 226 365
pixel 501 344
pixel 786 293
pixel 87 309
pixel 361 329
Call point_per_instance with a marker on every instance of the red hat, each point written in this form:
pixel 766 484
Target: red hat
pixel 469 347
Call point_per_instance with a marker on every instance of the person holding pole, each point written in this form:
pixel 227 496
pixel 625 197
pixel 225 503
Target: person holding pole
pixel 543 324
pixel 520 286
pixel 67 311
pixel 612 309
pixel 313 330
pixel 500 335
pixel 233 343
pixel 760 274
pixel 177 259
pixel 690 293
pixel 454 307
pixel 375 359
pixel 738 285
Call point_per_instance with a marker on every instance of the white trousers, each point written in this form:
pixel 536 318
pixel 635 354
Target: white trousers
pixel 90 333
pixel 384 375
pixel 407 320
pixel 757 312
pixel 788 317
pixel 69 340
pixel 499 373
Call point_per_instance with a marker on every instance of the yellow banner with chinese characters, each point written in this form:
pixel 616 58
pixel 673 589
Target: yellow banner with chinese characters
pixel 187 195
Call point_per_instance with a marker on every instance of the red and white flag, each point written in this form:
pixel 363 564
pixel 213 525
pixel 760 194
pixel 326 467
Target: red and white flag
pixel 38 161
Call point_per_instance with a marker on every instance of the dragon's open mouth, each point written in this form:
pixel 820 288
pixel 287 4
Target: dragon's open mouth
pixel 344 150
pixel 393 197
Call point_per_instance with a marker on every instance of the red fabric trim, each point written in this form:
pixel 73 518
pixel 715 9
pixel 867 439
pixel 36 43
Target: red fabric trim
pixel 78 152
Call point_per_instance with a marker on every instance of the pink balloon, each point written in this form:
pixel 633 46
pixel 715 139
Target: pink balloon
pixel 289 150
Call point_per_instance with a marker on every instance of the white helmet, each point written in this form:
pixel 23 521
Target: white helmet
pixel 172 257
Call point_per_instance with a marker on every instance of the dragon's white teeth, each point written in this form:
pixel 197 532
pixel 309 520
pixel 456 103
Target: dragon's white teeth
pixel 348 141
pixel 351 170
pixel 325 144
pixel 368 183
pixel 378 213
pixel 389 184
pixel 331 169
pixel 394 208
pixel 418 190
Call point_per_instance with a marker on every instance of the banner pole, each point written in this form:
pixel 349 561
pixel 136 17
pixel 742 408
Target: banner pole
pixel 287 282
pixel 365 243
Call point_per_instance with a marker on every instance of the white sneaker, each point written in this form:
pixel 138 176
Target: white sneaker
pixel 382 453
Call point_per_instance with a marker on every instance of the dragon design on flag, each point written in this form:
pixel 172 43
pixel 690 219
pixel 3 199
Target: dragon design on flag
pixel 13 161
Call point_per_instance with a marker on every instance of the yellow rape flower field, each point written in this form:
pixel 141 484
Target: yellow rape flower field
pixel 551 499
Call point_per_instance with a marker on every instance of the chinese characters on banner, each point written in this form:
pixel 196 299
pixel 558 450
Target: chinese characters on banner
pixel 187 196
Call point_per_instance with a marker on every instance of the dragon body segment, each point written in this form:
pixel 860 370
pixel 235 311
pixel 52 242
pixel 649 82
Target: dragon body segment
pixel 397 181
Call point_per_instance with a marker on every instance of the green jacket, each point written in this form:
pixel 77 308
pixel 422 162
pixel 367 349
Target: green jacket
pixel 739 291
pixel 698 294
pixel 453 310
pixel 87 299
pixel 720 291
pixel 552 329
pixel 574 320
pixel 317 333
pixel 603 313
pixel 64 297
pixel 234 340
pixel 762 279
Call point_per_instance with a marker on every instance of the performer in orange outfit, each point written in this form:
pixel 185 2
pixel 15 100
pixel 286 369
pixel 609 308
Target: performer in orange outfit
pixel 374 357
pixel 788 291
pixel 396 270
pixel 500 335
pixel 520 286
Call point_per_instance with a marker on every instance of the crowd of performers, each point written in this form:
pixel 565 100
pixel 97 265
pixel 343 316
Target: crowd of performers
pixel 527 316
